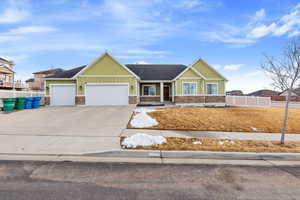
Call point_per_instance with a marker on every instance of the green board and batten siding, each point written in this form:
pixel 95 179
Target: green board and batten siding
pixel 207 72
pixel 105 66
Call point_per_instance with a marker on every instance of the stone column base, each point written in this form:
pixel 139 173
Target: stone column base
pixel 132 100
pixel 47 100
pixel 80 100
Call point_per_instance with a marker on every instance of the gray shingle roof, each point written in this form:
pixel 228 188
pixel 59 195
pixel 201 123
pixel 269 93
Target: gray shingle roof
pixel 156 71
pixel 144 71
pixel 67 73
pixel 56 70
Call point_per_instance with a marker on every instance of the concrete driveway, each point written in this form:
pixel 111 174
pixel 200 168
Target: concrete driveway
pixel 67 121
pixel 63 130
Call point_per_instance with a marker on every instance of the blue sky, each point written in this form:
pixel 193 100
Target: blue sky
pixel 230 35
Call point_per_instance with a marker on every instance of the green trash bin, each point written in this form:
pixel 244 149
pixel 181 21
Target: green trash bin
pixel 8 104
pixel 20 103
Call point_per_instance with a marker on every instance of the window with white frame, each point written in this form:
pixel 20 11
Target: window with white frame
pixel 189 88
pixel 149 90
pixel 212 88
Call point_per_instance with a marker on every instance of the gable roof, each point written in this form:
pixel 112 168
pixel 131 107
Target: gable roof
pixel 66 73
pixel 49 71
pixel 104 54
pixel 156 71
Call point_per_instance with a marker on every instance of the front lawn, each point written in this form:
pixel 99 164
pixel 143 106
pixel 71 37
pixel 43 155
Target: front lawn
pixel 233 119
pixel 207 144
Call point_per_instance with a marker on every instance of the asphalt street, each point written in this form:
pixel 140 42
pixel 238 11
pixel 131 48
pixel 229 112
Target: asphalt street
pixel 74 181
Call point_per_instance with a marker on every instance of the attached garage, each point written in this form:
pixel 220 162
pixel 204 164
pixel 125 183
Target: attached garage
pixel 106 94
pixel 62 94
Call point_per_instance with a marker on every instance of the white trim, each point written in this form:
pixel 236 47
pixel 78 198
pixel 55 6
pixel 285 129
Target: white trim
pixel 105 76
pixel 62 84
pixel 144 90
pixel 182 89
pixel 173 91
pixel 101 56
pixel 107 84
pixel 155 81
pixel 150 96
pixel 190 78
pixel 161 91
pixel 216 83
pixel 67 79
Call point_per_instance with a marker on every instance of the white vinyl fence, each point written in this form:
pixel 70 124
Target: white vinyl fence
pixel 11 93
pixel 248 101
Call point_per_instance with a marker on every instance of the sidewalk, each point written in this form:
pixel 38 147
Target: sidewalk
pixel 56 145
pixel 213 134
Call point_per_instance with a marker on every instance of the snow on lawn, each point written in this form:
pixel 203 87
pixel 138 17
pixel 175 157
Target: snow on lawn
pixel 197 142
pixel 145 110
pixel 143 140
pixel 142 119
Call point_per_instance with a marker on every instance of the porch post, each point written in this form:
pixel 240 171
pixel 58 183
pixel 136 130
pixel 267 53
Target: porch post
pixel 173 91
pixel 161 91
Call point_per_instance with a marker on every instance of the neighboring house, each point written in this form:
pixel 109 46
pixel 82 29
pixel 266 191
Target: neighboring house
pixel 7 76
pixel 108 82
pixel 295 92
pixel 235 93
pixel 264 93
pixel 37 82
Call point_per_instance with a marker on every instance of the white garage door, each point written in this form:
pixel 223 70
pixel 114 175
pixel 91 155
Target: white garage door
pixel 106 94
pixel 62 95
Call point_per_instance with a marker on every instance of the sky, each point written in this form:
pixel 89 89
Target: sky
pixel 230 35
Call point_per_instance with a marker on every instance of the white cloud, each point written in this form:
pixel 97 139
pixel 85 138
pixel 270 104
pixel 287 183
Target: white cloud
pixel 294 33
pixel 261 31
pixel 259 15
pixel 9 38
pixel 287 24
pixel 225 38
pixel 141 62
pixel 196 5
pixel 233 67
pixel 14 11
pixel 32 29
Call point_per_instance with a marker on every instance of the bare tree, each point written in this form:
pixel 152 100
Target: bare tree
pixel 285 74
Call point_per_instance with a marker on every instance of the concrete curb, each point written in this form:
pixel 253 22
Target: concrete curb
pixel 167 157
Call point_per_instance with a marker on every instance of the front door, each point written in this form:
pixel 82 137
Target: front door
pixel 166 93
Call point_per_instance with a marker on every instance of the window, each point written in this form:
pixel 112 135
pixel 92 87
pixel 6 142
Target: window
pixel 149 90
pixel 189 88
pixel 212 88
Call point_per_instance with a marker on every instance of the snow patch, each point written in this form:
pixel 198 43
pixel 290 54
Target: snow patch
pixel 220 142
pixel 142 120
pixel 143 140
pixel 254 129
pixel 197 142
pixel 144 110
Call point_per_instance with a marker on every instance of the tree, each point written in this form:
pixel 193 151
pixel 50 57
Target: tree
pixel 285 74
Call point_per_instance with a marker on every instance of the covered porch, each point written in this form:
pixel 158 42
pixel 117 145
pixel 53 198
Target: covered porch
pixel 156 92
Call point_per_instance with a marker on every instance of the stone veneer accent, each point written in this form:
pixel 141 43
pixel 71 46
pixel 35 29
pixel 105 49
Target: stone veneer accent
pixel 215 99
pixel 80 100
pixel 153 99
pixel 189 99
pixel 47 100
pixel 132 100
pixel 199 99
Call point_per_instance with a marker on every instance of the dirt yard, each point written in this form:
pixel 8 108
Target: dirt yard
pixel 244 119
pixel 207 144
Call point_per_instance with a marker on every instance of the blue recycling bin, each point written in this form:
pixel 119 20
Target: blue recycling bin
pixel 29 102
pixel 36 102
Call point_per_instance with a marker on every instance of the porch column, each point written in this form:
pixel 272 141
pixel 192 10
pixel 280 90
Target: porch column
pixel 161 91
pixel 173 91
